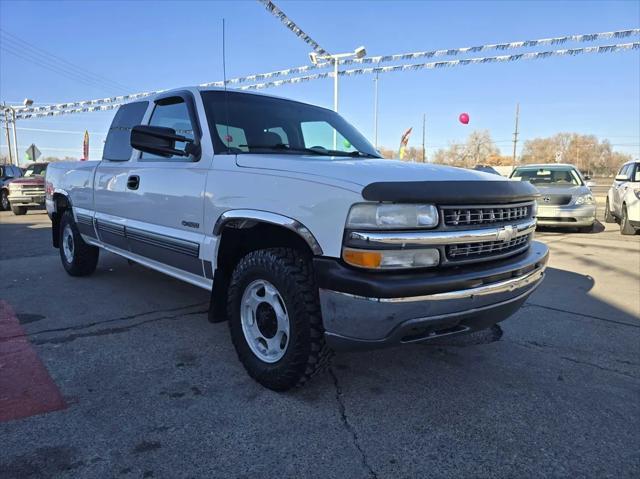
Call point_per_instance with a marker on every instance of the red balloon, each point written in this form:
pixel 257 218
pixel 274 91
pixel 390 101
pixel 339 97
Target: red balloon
pixel 464 118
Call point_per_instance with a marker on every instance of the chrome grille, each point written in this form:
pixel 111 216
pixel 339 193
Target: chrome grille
pixel 32 190
pixel 485 215
pixel 485 249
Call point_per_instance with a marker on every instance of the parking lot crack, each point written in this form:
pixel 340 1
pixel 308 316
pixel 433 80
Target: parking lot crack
pixel 87 326
pixel 575 313
pixel 539 346
pixel 349 427
pixel 110 331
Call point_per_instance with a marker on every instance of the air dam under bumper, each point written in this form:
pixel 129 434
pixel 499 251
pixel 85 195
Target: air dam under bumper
pixel 370 310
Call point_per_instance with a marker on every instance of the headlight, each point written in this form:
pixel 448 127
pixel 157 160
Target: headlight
pixel 584 200
pixel 637 193
pixel 14 187
pixel 535 208
pixel 392 216
pixel 391 259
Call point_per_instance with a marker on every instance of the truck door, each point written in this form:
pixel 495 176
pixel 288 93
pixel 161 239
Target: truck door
pixel 164 197
pixel 110 200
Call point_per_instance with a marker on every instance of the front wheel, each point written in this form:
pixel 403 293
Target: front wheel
pixel 78 257
pixel 608 215
pixel 625 226
pixel 274 318
pixel 4 200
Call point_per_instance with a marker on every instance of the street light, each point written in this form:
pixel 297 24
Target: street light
pixel 316 59
pixel 27 102
pixel 359 52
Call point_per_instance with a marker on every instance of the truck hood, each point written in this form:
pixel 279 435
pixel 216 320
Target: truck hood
pixel 29 181
pixel 361 171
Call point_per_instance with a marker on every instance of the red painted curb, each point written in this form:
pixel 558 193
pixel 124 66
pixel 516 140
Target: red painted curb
pixel 26 389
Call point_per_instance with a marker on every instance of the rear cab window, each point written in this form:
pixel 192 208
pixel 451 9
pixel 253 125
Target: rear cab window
pixel 118 143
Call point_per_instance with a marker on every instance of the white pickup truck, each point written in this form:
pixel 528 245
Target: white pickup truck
pixel 308 241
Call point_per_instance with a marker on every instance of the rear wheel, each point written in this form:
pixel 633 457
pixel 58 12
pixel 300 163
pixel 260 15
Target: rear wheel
pixel 4 200
pixel 625 227
pixel 19 210
pixel 274 318
pixel 608 215
pixel 78 257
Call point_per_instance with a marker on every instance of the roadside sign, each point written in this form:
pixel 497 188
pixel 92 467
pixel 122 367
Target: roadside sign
pixel 33 153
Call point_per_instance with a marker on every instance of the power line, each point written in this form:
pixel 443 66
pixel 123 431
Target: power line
pixel 35 52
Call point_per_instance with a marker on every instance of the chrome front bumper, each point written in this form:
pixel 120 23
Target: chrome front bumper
pixel 19 199
pixel 354 321
pixel 570 215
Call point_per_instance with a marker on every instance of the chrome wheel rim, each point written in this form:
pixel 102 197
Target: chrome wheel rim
pixel 265 322
pixel 67 243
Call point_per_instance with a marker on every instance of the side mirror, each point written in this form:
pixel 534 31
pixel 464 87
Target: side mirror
pixel 587 178
pixel 622 178
pixel 161 141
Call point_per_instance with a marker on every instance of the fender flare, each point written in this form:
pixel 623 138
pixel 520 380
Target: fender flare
pixel 246 218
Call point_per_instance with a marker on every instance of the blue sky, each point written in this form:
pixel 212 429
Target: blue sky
pixel 153 45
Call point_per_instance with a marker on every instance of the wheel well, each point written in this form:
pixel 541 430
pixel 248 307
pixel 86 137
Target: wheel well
pixel 62 204
pixel 236 242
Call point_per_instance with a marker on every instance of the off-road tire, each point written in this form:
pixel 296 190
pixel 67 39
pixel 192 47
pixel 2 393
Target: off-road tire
pixel 290 271
pixel 4 201
pixel 625 227
pixel 19 210
pixel 608 215
pixel 85 256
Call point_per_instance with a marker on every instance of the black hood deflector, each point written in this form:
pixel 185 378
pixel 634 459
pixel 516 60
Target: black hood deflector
pixel 451 192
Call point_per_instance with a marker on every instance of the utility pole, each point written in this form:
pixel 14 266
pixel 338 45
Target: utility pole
pixel 515 134
pixel 6 127
pixel 424 129
pixel 375 111
pixel 15 137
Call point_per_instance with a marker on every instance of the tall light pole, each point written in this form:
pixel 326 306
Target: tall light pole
pixel 26 103
pixel 515 133
pixel 375 112
pixel 335 60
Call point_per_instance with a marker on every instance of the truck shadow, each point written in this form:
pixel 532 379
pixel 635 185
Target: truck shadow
pixel 562 321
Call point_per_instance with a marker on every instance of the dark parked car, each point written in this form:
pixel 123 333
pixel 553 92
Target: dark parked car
pixel 486 169
pixel 28 191
pixel 7 173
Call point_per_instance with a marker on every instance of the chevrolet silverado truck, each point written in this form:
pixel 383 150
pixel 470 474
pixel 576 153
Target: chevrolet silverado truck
pixel 27 192
pixel 308 240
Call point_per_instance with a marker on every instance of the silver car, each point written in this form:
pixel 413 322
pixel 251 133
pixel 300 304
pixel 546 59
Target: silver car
pixel 566 199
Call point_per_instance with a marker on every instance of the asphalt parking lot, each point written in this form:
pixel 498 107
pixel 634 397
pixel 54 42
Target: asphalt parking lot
pixel 148 388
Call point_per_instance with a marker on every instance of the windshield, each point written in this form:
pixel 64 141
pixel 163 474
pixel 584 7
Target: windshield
pixel 244 123
pixel 548 176
pixel 35 170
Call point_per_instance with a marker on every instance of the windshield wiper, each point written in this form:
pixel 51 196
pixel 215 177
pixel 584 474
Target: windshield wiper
pixel 283 147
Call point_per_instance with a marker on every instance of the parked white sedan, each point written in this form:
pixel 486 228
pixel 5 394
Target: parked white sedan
pixel 623 199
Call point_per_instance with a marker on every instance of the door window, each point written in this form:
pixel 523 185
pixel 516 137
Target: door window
pixel 172 113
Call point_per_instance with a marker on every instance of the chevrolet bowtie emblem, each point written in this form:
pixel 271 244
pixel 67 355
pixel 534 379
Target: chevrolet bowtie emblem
pixel 507 233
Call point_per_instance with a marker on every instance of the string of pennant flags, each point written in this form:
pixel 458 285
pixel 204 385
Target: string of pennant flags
pixel 104 104
pixel 291 25
pixel 450 63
